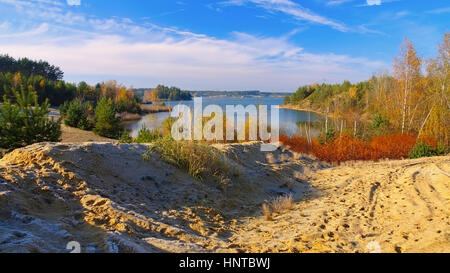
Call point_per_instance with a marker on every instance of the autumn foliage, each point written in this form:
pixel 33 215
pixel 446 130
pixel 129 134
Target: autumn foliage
pixel 347 148
pixel 344 148
pixel 392 146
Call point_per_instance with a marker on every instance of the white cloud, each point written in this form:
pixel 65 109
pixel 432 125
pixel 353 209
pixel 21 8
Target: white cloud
pixel 373 2
pixel 291 8
pixel 73 2
pixel 338 2
pixel 4 25
pixel 97 49
pixel 245 62
pixel 43 28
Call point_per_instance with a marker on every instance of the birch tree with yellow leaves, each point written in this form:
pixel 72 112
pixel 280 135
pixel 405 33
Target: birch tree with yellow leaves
pixel 436 124
pixel 408 85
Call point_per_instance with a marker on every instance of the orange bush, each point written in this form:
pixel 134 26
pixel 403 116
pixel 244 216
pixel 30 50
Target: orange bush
pixel 343 149
pixel 347 148
pixel 297 144
pixel 392 146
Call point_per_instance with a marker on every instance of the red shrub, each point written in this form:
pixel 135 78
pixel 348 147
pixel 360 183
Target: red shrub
pixel 349 148
pixel 392 146
pixel 343 149
pixel 297 144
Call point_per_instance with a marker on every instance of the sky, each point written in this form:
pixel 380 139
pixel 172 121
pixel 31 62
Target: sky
pixel 267 45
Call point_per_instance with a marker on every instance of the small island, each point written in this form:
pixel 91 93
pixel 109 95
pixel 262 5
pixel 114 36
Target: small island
pixel 162 93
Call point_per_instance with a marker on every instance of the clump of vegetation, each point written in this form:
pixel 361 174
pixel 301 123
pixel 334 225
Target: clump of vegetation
pixel 267 212
pixel 63 108
pixel 328 136
pixel 282 203
pixel 198 159
pixel 162 92
pixel 76 114
pixel 278 205
pixel 395 146
pixel 423 149
pixel 26 122
pixel 107 124
pixel 125 137
pixel 166 126
pixel 379 122
pixel 347 148
pixel 147 136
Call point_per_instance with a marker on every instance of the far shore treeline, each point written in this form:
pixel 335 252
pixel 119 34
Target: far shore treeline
pixel 47 81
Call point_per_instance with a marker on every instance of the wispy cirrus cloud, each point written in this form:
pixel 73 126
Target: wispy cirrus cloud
pixel 338 2
pixel 97 49
pixel 440 10
pixel 298 12
pixel 378 2
pixel 291 8
pixel 367 3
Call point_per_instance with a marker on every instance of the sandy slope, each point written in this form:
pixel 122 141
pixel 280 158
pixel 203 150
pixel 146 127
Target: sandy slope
pixel 109 199
pixel 75 135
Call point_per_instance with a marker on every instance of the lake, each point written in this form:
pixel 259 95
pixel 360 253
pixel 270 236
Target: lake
pixel 288 118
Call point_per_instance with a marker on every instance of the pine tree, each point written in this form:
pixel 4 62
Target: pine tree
pixel 107 124
pixel 26 122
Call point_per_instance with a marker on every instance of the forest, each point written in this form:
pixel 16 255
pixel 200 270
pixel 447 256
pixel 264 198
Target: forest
pixel 28 89
pixel 29 67
pixel 162 92
pixel 412 102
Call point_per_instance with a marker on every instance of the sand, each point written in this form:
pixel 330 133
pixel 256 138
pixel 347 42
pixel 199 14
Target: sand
pixel 109 199
pixel 75 135
pixel 393 206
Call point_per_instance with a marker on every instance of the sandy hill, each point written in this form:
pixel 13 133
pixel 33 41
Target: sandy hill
pixel 109 199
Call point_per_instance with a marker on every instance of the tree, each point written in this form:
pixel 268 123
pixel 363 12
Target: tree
pixel 302 93
pixel 107 124
pixel 172 93
pixel 77 115
pixel 408 75
pixel 382 95
pixel 85 92
pixel 26 122
pixel 151 95
pixel 436 123
pixel 29 68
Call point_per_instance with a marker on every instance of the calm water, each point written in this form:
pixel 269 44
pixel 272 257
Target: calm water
pixel 288 118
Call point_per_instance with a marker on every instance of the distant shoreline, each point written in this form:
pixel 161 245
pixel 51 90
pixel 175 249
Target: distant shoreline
pixel 298 108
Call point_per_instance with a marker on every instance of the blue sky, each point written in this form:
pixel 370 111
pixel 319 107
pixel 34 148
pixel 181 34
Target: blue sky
pixel 269 45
